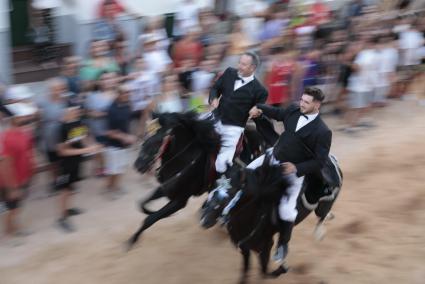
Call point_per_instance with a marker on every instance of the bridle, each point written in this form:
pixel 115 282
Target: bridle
pixel 166 141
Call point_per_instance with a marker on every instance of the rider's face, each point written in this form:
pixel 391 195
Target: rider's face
pixel 245 66
pixel 308 104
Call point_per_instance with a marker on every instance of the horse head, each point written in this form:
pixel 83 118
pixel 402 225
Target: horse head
pixel 159 134
pixel 178 128
pixel 265 182
pixel 218 199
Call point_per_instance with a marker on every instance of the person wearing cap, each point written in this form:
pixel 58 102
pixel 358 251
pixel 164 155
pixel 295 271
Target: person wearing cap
pixel 74 143
pixel 17 165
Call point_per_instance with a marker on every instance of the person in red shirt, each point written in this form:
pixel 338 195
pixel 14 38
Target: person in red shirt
pixel 278 79
pixel 17 165
pixel 320 13
pixel 188 48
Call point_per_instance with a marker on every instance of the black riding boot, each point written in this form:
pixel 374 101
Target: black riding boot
pixel 285 230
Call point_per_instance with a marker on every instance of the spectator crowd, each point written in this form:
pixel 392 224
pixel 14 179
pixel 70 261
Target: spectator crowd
pixel 97 108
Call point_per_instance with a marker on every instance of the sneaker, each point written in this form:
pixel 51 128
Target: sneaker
pixel 111 195
pixel 22 233
pixel 350 130
pixel 366 124
pixel 3 207
pixel 281 253
pixel 100 173
pixel 14 242
pixel 74 211
pixel 65 225
pixel 52 190
pixel 120 191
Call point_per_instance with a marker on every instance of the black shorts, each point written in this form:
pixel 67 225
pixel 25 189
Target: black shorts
pixel 10 203
pixel 101 139
pixel 69 175
pixel 53 156
pixel 135 115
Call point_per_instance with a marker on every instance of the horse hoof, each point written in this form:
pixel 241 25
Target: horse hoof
pixel 282 269
pixel 128 245
pixel 319 232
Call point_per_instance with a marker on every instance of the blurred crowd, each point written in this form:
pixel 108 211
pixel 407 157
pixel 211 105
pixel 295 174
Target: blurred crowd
pixel 97 107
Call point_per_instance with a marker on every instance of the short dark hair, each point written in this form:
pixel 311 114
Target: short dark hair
pixel 316 93
pixel 254 57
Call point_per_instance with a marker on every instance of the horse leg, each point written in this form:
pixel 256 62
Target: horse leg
pixel 246 264
pixel 324 215
pixel 158 193
pixel 170 208
pixel 282 269
pixel 323 211
pixel 265 257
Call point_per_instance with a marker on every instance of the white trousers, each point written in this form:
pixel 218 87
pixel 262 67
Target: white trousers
pixel 288 203
pixel 230 136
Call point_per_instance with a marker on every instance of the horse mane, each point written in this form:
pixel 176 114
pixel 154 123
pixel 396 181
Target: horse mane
pixel 266 181
pixel 203 130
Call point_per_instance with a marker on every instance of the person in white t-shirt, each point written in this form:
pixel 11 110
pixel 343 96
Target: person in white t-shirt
pixel 143 87
pixel 387 56
pixel 251 13
pixel 410 42
pixel 157 60
pixel 186 18
pixel 154 29
pixel 362 83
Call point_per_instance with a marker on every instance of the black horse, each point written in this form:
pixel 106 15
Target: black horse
pixel 253 220
pixel 250 225
pixel 187 147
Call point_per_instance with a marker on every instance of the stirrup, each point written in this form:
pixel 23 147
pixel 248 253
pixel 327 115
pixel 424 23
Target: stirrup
pixel 223 183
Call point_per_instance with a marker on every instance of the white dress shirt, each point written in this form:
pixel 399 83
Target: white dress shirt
pixel 243 82
pixel 302 121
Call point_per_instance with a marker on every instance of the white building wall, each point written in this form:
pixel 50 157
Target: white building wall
pixel 5 42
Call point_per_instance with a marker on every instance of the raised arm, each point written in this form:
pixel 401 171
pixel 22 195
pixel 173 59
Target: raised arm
pixel 275 113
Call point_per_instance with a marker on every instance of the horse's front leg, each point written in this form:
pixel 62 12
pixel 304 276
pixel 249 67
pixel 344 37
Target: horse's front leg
pixel 282 269
pixel 170 208
pixel 246 264
pixel 158 193
pixel 265 257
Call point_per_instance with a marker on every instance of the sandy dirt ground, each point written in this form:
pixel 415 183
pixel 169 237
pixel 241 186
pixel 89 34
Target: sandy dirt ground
pixel 378 235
